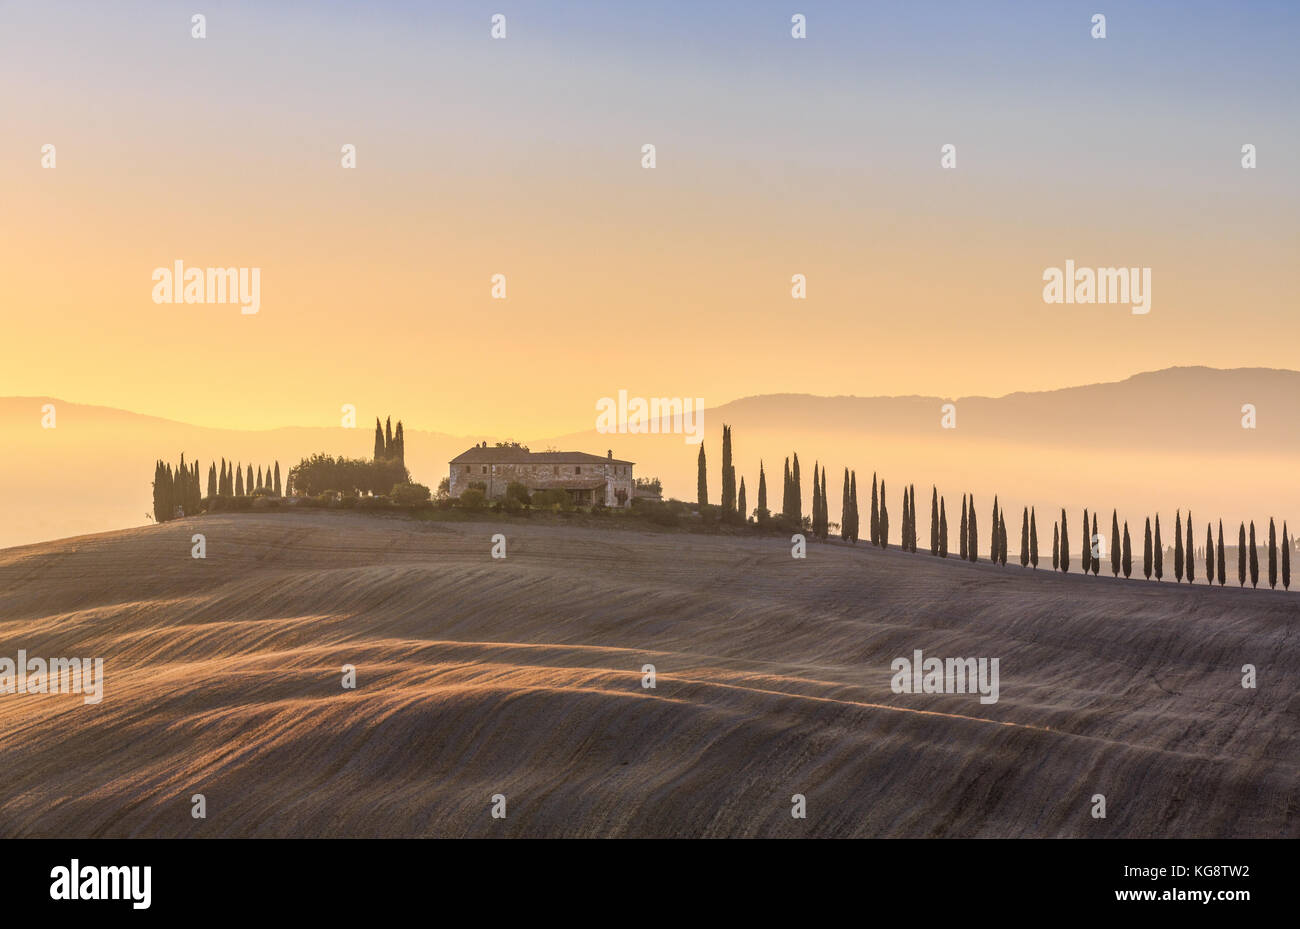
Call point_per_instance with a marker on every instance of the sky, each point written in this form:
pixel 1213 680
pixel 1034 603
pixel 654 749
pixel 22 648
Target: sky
pixel 522 156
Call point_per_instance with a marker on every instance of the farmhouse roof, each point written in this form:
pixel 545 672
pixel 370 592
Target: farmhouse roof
pixel 509 454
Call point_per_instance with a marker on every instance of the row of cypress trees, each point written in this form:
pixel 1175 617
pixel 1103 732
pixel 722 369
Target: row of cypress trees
pixel 1185 552
pixel 389 444
pixel 1121 557
pixel 232 483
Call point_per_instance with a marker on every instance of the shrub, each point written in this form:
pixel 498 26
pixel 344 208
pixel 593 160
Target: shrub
pixel 517 492
pixel 377 502
pixel 410 494
pixel 472 499
pixel 554 499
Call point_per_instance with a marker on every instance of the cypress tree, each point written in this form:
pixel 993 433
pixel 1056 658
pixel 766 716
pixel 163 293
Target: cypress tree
pixel 1056 546
pixel 1024 539
pixel 1086 555
pixel 1033 538
pixel 1191 558
pixel 816 505
pixel 239 480
pixel 1065 544
pixel 1178 547
pixel 157 491
pixel 1127 561
pixel 1241 555
pixel 1223 558
pixel 248 484
pixel 934 520
pixel 399 442
pixel 853 492
pixel 1158 553
pixel 1272 555
pixel 1254 558
pixel 884 518
pixel 903 540
pixel 212 480
pixel 796 491
pixel 729 473
pixel 1002 538
pixel 1146 551
pixel 943 531
pixel 388 437
pixel 845 518
pixel 277 478
pixel 259 484
pixel 1209 554
pixel 379 441
pixel 972 543
pixel 1286 558
pixel 701 480
pixel 875 512
pixel 995 542
pixel 964 531
pixel 1114 543
pixel 762 492
pixel 740 505
pixel 1095 560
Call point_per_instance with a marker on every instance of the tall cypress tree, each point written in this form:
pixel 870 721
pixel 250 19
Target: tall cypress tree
pixel 1159 553
pixel 1056 547
pixel 379 441
pixel 1033 538
pixel 1272 555
pixel 399 445
pixel 388 437
pixel 972 543
pixel 212 480
pixel 1065 544
pixel 1286 558
pixel 943 530
pixel 902 533
pixel 1254 557
pixel 258 485
pixel 762 492
pixel 1146 551
pixel 239 480
pixel 740 505
pixel 729 473
pixel 875 512
pixel 884 518
pixel 796 491
pixel 1114 543
pixel 1178 547
pixel 994 541
pixel 826 510
pixel 1223 558
pixel 701 480
pixel 1191 557
pixel 853 493
pixel 1127 561
pixel 1024 539
pixel 1241 555
pixel 845 518
pixel 1002 538
pixel 816 505
pixel 934 520
pixel 277 479
pixel 248 484
pixel 965 533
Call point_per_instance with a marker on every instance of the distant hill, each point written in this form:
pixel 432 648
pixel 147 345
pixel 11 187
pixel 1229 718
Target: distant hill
pixel 1163 439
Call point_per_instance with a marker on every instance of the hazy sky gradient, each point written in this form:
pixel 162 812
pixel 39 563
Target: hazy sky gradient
pixel 522 156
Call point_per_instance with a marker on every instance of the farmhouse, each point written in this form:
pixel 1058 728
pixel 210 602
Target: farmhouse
pixel 588 479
